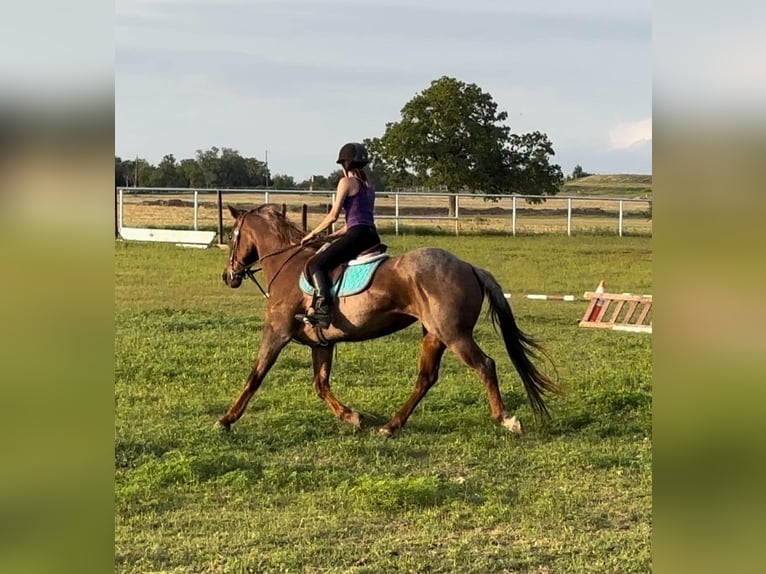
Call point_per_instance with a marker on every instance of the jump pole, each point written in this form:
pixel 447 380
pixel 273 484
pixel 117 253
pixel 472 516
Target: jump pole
pixel 544 297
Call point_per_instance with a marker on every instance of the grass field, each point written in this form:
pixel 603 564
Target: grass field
pixel 617 185
pixel 292 489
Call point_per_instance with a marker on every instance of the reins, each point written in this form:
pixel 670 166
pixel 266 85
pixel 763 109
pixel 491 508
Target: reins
pixel 250 273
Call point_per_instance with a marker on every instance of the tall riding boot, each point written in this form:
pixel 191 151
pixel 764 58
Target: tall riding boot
pixel 321 314
pixel 322 302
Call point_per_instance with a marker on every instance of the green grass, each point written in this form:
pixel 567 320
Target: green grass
pixel 292 489
pixel 617 185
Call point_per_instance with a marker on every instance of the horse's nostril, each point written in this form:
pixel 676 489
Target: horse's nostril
pixel 225 277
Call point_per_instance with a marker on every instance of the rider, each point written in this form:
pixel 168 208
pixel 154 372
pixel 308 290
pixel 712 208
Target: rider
pixel 356 196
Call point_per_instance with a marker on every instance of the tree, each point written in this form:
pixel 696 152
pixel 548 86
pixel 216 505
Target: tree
pixel 149 175
pixel 531 172
pixel 232 169
pixel 334 179
pixel 281 181
pixel 257 172
pixel 192 173
pixel 136 172
pixel 452 134
pixel 376 169
pixel 315 182
pixel 578 172
pixel 119 173
pixel 169 173
pixel 208 164
pixel 127 171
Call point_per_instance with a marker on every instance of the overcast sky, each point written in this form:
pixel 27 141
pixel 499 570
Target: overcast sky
pixel 299 77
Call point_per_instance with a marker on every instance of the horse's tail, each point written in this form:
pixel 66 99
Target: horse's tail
pixel 520 346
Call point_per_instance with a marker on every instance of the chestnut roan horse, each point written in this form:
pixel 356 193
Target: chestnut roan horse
pixel 428 285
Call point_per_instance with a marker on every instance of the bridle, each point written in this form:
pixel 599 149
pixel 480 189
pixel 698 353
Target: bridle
pixel 245 270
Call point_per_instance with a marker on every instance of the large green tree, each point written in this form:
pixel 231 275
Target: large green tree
pixel 232 169
pixel 192 173
pixel 169 173
pixel 531 172
pixel 208 161
pixel 453 135
pixel 257 172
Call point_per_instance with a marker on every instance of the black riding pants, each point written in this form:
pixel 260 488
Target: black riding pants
pixel 345 248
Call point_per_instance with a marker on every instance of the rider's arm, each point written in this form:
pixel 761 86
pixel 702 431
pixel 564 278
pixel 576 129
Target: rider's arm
pixel 344 186
pixel 337 233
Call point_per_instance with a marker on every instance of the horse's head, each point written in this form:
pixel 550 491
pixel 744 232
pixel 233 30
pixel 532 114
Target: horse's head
pixel 242 249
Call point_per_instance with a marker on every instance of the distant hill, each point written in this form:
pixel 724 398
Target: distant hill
pixel 627 185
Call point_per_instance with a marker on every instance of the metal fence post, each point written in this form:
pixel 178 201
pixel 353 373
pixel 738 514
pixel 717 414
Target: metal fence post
pixel 620 220
pixel 266 196
pixel 196 207
pixel 457 214
pixel 513 217
pixel 220 217
pixel 119 213
pixel 569 216
pixel 396 213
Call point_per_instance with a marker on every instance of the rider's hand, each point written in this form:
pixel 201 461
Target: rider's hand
pixel 307 238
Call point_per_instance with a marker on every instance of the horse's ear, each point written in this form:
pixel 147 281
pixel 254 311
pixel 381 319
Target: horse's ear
pixel 235 213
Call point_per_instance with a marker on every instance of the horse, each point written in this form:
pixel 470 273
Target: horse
pixel 430 285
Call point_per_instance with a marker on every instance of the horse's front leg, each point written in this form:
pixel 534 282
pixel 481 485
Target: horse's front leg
pixel 322 359
pixel 272 344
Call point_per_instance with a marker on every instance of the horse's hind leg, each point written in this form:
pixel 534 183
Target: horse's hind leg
pixel 431 352
pixel 322 359
pixel 471 354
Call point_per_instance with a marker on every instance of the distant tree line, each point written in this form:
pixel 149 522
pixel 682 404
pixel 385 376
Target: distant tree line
pixel 450 136
pixel 213 168
pixel 577 173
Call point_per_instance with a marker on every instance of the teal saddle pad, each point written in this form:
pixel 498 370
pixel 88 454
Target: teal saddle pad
pixel 354 280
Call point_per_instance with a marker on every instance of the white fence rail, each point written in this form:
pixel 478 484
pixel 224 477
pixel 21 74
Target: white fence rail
pixel 416 207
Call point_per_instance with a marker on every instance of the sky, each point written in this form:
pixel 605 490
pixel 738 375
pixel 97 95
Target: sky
pixel 299 78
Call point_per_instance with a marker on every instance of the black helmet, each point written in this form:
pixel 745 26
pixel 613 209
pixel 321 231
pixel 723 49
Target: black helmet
pixel 353 155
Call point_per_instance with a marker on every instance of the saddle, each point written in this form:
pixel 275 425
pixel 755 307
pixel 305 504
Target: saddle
pixel 351 277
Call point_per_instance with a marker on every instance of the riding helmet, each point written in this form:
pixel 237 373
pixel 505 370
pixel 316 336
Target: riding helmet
pixel 353 153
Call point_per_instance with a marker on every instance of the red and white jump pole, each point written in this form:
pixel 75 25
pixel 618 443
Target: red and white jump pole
pixel 544 297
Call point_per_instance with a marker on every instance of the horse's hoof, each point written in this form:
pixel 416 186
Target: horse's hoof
pixel 353 418
pixel 385 432
pixel 222 424
pixel 513 424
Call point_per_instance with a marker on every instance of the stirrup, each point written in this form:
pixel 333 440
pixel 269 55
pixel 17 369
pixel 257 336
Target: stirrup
pixel 315 319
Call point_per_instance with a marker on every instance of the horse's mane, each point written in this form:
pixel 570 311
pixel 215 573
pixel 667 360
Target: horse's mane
pixel 282 227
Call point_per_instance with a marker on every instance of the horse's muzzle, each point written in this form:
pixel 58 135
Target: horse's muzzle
pixel 232 279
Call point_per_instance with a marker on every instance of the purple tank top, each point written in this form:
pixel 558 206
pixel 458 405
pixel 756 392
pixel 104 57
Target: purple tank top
pixel 359 208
